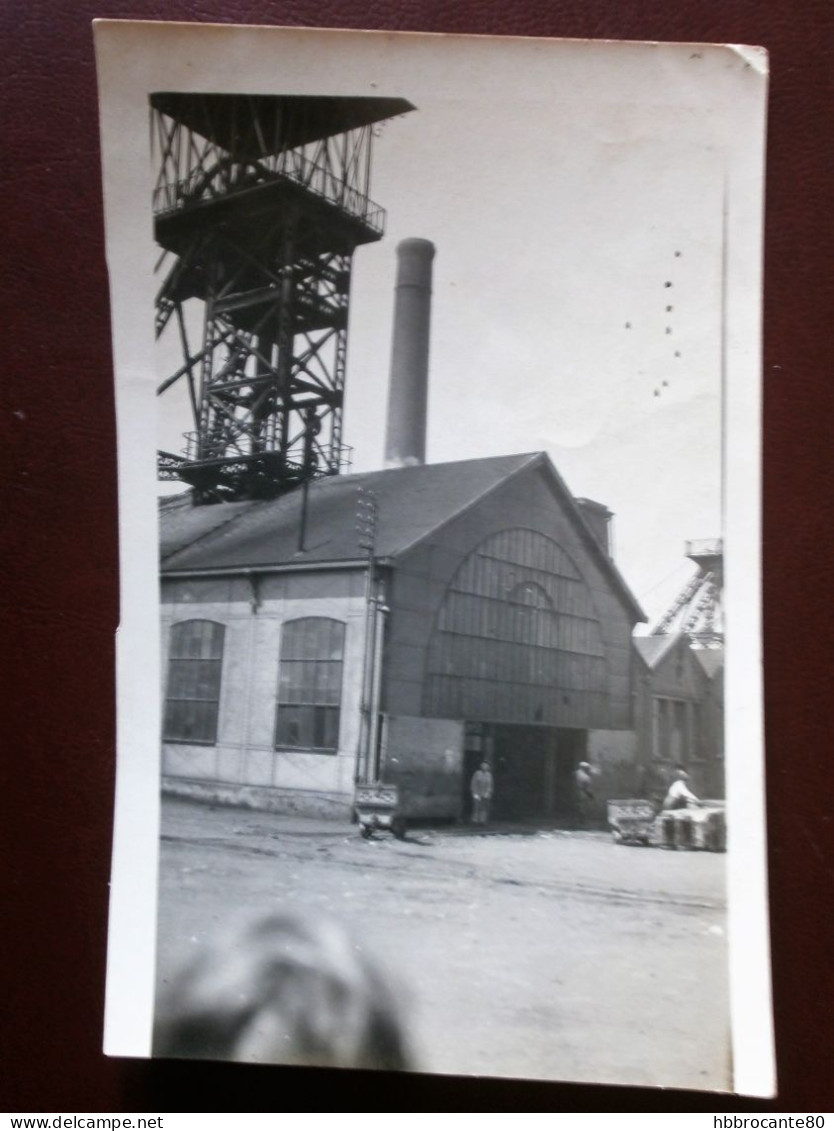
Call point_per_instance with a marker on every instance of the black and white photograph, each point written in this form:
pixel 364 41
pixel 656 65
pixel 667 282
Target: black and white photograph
pixel 439 708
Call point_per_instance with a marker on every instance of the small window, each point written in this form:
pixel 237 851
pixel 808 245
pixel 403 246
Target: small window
pixel 194 671
pixel 310 685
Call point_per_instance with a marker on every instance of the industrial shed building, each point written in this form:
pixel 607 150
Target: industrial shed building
pixel 504 633
pixel 678 713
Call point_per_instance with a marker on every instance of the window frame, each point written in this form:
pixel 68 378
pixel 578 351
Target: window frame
pixel 219 642
pixel 316 705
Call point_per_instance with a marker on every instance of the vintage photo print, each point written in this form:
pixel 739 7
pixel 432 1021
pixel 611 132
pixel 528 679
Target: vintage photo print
pixel 437 376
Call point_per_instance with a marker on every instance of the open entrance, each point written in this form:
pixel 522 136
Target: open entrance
pixel 533 768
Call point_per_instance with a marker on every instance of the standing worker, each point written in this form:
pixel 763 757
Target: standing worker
pixel 584 791
pixel 481 788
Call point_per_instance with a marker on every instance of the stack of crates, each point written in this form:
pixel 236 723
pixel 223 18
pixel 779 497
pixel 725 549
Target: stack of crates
pixel 698 829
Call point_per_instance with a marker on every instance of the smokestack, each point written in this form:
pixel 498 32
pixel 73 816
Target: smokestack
pixel 405 436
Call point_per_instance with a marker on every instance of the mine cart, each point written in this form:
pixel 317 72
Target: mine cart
pixel 632 821
pixel 377 807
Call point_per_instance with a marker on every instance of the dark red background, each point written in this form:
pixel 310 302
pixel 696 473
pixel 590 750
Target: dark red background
pixel 59 584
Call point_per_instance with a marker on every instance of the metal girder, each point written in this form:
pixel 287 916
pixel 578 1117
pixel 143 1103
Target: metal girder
pixel 683 599
pixel 697 609
pixel 262 236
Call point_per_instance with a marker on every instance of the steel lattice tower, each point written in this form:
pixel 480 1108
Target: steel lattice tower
pixel 697 610
pixel 259 205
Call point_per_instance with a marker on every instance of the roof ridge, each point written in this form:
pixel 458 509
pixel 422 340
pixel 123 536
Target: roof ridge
pixel 667 641
pixel 432 465
pixel 526 460
pixel 604 559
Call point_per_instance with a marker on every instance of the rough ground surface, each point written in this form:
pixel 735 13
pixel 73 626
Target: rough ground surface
pixel 552 955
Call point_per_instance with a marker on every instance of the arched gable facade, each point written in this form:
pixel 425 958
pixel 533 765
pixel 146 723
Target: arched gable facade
pixel 517 638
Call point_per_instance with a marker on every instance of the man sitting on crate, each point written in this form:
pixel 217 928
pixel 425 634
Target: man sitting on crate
pixel 680 796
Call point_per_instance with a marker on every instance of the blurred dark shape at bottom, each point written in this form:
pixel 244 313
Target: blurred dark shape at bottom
pixel 283 989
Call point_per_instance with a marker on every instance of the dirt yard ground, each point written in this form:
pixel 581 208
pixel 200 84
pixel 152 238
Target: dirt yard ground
pixel 550 955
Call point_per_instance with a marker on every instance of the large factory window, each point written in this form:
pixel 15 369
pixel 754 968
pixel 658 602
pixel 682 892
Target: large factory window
pixel 518 639
pixel 194 670
pixel 310 684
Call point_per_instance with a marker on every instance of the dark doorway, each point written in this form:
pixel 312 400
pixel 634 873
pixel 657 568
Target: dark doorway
pixel 534 770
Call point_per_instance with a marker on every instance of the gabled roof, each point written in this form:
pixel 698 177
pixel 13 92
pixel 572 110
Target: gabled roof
pixel 710 659
pixel 653 648
pixel 412 503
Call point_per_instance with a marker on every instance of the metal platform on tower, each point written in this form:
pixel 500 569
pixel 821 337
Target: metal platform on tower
pixel 259 204
pixel 697 610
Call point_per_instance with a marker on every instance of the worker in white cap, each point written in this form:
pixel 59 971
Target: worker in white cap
pixel 680 796
pixel 584 786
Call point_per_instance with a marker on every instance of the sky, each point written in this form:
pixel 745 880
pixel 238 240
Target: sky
pixel 576 301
